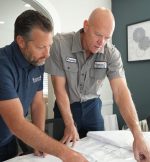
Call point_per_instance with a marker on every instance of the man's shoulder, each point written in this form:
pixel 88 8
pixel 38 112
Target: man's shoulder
pixel 6 50
pixel 64 36
pixel 110 48
pixel 4 55
pixel 6 58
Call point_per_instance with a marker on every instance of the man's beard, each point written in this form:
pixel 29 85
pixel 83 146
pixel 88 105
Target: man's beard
pixel 35 63
pixel 32 60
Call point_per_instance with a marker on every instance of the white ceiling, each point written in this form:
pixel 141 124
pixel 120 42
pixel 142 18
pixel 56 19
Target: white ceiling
pixel 9 10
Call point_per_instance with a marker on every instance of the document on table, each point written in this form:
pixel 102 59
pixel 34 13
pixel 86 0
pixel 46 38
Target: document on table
pixel 32 158
pixel 97 151
pixel 98 146
pixel 93 150
pixel 122 139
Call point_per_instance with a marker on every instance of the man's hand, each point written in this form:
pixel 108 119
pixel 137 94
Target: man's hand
pixel 39 153
pixel 74 156
pixel 70 135
pixel 141 149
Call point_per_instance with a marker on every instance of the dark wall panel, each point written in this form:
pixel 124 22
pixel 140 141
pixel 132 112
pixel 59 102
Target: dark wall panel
pixel 137 73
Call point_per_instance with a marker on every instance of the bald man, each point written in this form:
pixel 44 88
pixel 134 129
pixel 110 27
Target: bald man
pixel 78 64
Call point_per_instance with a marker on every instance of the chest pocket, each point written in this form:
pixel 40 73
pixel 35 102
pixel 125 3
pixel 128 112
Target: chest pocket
pixel 98 74
pixel 71 67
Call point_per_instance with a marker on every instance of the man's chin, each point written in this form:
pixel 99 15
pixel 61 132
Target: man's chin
pixel 39 63
pixel 97 50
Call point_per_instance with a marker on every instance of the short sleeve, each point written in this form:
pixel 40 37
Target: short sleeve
pixel 40 88
pixel 7 81
pixel 54 65
pixel 115 65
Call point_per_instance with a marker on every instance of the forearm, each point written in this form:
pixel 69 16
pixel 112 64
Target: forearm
pixel 64 107
pixel 38 114
pixel 59 84
pixel 27 131
pixel 34 137
pixel 128 111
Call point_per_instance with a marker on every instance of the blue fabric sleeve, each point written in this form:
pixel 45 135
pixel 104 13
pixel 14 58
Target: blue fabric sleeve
pixel 41 83
pixel 7 89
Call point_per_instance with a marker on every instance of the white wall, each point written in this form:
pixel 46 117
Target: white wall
pixel 9 10
pixel 72 13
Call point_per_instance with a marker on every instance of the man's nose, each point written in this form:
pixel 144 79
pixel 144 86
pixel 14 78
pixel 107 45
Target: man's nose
pixel 46 52
pixel 101 41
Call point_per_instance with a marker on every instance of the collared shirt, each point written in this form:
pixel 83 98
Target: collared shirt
pixel 84 77
pixel 18 79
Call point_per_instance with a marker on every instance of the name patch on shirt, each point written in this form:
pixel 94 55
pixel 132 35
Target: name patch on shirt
pixel 37 79
pixel 71 59
pixel 100 65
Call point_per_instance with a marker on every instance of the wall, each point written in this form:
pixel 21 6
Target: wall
pixel 73 13
pixel 137 73
pixel 9 10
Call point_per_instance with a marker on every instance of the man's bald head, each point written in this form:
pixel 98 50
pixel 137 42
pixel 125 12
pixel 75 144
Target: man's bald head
pixel 102 16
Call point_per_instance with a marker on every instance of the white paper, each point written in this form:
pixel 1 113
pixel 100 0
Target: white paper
pixel 97 151
pixel 98 146
pixel 32 158
pixel 123 139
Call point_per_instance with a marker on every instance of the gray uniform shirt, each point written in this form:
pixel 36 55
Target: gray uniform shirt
pixel 84 77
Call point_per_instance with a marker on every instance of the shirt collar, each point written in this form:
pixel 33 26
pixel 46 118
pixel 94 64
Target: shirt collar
pixel 22 62
pixel 76 45
pixel 102 51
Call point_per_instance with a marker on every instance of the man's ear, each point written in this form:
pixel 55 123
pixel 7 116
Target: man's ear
pixel 20 41
pixel 85 26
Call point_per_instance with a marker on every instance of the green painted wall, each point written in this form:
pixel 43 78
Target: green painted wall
pixel 137 73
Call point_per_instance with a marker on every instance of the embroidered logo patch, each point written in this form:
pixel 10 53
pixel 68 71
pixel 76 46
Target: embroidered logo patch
pixel 71 59
pixel 37 79
pixel 100 65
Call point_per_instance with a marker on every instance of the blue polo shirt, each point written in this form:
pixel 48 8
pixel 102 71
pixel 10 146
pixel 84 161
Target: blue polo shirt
pixel 18 79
